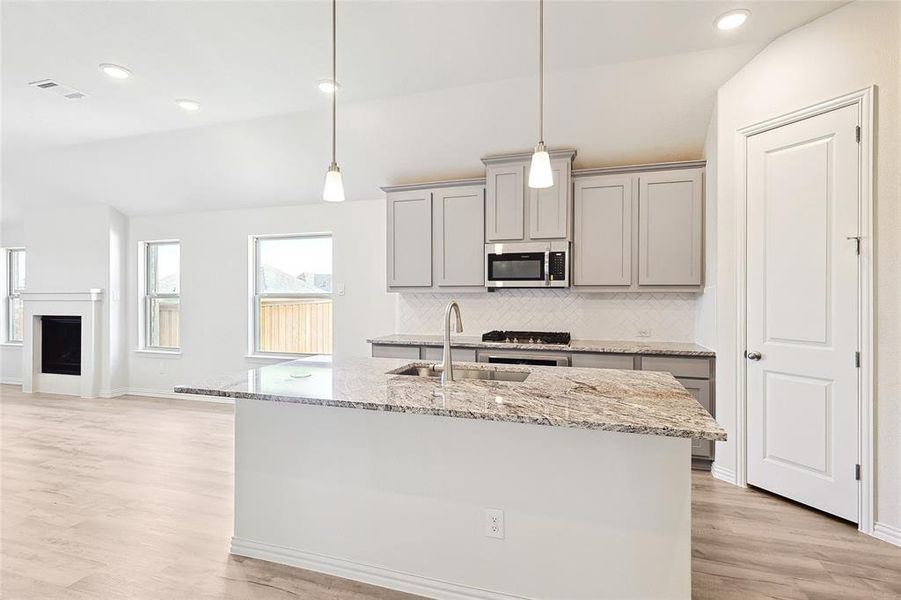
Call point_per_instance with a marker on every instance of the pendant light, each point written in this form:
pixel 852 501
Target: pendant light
pixel 334 185
pixel 540 174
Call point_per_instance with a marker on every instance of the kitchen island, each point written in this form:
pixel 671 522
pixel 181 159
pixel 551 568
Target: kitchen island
pixel 588 468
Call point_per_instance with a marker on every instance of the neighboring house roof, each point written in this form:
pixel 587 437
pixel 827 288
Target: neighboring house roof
pixel 275 280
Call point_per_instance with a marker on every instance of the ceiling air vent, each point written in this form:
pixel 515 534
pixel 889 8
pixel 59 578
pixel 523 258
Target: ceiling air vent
pixel 59 89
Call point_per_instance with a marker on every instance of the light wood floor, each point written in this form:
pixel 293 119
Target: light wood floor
pixel 131 498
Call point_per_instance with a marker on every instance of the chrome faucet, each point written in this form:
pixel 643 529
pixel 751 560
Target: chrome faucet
pixel 447 373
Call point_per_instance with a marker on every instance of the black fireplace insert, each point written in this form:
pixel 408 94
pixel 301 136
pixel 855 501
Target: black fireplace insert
pixel 61 345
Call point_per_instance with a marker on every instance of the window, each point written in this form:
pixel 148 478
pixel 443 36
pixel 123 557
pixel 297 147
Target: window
pixel 292 301
pixel 15 285
pixel 161 295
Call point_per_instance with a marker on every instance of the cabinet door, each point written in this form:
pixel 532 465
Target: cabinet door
pixel 410 239
pixel 504 202
pixel 700 389
pixel 602 235
pixel 670 211
pixel 603 361
pixel 457 354
pixel 549 213
pixel 392 351
pixel 459 234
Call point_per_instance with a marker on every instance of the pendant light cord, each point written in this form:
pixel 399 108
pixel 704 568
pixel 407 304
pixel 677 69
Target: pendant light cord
pixel 334 77
pixel 541 71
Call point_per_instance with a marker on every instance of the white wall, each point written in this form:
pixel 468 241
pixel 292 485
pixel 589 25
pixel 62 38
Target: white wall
pixel 607 316
pixel 852 48
pixel 11 354
pixel 214 285
pixel 705 332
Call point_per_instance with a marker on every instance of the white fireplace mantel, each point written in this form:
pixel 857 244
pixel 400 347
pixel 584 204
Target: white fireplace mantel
pixel 86 305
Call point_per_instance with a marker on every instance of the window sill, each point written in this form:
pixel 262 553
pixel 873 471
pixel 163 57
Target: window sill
pixel 277 357
pixel 158 352
pixel 12 344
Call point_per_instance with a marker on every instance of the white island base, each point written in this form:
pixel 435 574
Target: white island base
pixel 399 500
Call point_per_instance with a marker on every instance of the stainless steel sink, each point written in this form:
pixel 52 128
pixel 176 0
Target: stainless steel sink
pixel 461 373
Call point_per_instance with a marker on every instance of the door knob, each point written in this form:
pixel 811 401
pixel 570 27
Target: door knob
pixel 753 355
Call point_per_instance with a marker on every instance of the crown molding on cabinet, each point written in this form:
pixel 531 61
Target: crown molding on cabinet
pixel 576 173
pixel 430 185
pixel 664 166
pixel 569 153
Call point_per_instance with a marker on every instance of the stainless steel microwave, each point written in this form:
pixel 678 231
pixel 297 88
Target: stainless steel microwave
pixel 527 264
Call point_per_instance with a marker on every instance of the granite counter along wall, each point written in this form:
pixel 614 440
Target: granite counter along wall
pixel 604 316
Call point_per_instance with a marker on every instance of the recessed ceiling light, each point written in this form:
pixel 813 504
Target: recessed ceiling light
pixel 732 19
pixel 329 86
pixel 188 105
pixel 115 71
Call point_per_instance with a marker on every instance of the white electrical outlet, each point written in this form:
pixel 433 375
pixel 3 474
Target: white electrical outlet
pixel 644 333
pixel 494 523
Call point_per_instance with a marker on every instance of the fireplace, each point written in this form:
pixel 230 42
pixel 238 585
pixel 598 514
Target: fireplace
pixel 61 345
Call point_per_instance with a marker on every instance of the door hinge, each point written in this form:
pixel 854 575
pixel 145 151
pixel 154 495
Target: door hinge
pixel 857 472
pixel 857 359
pixel 857 133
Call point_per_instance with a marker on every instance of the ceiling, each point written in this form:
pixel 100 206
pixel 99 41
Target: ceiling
pixel 253 67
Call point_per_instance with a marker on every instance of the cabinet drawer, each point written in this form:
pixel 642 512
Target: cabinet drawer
pixel 701 392
pixel 392 351
pixel 679 367
pixel 457 354
pixel 603 361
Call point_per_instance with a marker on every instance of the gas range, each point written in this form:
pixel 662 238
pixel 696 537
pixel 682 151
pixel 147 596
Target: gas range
pixel 528 337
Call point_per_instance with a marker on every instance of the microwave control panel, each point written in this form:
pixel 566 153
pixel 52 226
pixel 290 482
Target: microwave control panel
pixel 557 266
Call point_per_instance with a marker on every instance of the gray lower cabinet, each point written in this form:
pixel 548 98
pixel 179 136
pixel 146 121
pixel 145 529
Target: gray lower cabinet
pixel 392 351
pixel 700 389
pixel 410 239
pixel 458 354
pixel 434 353
pixel 458 224
pixel 603 361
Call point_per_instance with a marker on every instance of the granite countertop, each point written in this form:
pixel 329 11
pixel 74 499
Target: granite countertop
pixel 643 402
pixel 600 346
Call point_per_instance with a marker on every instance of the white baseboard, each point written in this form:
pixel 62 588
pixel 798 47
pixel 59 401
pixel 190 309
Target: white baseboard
pixel 151 393
pixel 380 576
pixel 11 381
pixel 723 473
pixel 887 533
pixel 113 393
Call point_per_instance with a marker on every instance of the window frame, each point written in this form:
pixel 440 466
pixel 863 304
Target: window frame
pixel 12 293
pixel 148 295
pixel 256 296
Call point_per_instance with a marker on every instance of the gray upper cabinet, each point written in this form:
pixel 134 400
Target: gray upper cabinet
pixel 410 239
pixel 670 211
pixel 602 234
pixel 458 233
pixel 549 212
pixel 504 204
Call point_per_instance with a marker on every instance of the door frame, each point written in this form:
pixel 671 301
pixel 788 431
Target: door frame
pixel 863 100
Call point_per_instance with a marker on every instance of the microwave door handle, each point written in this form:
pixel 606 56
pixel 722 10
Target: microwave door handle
pixel 547 268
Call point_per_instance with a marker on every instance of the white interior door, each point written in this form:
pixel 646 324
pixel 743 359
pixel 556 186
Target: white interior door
pixel 802 308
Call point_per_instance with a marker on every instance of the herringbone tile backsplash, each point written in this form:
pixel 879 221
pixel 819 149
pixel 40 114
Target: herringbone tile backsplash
pixel 620 316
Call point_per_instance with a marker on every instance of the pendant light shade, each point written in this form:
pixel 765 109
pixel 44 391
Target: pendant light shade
pixel 334 184
pixel 540 173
